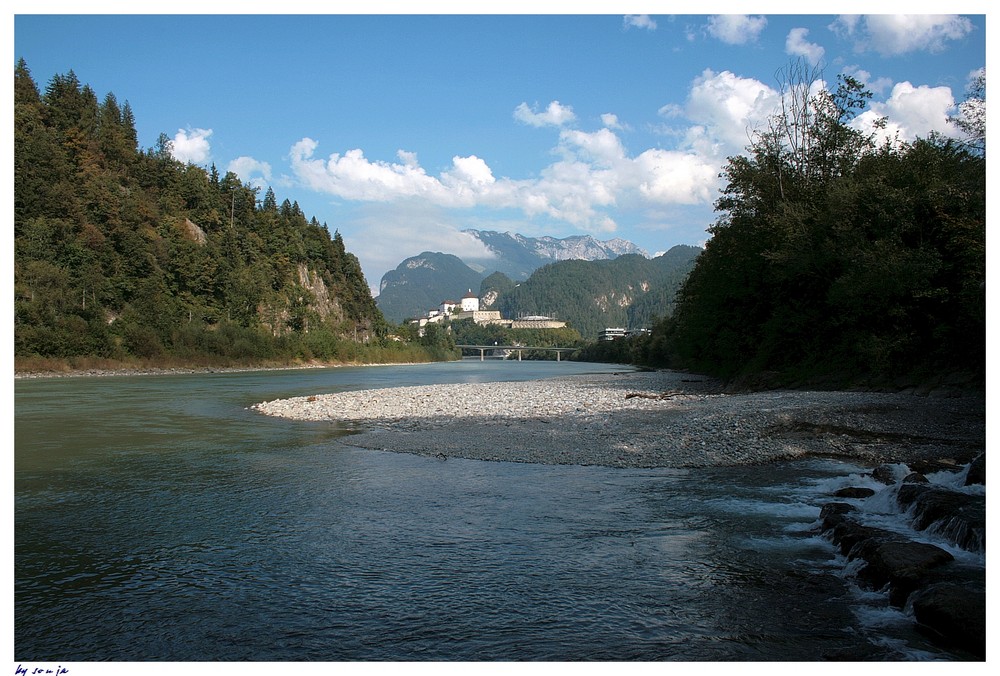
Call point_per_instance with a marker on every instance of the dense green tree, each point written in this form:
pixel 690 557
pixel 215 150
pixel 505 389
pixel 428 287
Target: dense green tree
pixel 270 202
pixel 43 175
pixel 116 136
pixel 439 341
pixel 837 259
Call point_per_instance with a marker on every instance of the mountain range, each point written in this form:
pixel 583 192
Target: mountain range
pixel 422 282
pixel 585 281
pixel 518 256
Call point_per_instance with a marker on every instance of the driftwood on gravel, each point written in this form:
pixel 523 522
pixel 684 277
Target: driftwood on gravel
pixel 661 397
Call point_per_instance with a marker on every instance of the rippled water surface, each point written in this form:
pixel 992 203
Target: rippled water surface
pixel 156 518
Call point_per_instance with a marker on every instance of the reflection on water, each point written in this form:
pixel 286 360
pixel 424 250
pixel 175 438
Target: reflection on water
pixel 158 519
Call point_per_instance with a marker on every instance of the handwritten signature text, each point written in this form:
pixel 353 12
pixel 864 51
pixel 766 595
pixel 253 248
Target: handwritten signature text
pixel 39 671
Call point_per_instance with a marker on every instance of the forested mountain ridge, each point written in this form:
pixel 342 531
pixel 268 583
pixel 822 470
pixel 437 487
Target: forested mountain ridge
pixel 421 283
pixel 630 291
pixel 121 253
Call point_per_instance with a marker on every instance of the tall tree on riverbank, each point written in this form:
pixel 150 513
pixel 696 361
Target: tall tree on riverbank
pixel 837 258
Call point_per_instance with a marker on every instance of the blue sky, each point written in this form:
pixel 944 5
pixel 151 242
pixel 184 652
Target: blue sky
pixel 401 130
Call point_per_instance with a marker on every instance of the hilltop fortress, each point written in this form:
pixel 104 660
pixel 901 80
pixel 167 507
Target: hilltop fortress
pixel 468 308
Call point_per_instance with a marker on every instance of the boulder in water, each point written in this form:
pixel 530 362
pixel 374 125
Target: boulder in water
pixel 854 492
pixel 903 565
pixel 884 474
pixel 959 516
pixel 953 615
pixel 977 471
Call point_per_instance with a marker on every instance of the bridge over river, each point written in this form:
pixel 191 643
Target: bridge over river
pixel 517 348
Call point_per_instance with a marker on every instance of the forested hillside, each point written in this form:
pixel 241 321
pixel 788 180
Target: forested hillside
pixel 628 291
pixel 421 283
pixel 839 260
pixel 122 253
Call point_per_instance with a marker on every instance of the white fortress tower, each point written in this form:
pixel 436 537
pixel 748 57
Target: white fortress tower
pixel 470 302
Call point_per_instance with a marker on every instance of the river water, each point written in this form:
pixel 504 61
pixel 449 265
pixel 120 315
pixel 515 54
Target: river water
pixel 156 518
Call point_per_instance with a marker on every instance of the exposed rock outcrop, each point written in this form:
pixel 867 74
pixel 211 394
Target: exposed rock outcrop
pixel 194 233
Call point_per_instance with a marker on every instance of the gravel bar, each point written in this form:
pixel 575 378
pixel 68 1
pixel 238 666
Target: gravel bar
pixel 646 419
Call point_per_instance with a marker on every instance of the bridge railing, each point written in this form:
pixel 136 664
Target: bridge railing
pixel 517 348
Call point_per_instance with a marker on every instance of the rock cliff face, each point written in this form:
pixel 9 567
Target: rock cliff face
pixel 323 303
pixel 277 311
pixel 194 232
pixel 580 247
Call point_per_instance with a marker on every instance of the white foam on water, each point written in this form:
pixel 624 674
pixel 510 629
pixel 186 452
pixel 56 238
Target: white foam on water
pixel 781 510
pixel 906 651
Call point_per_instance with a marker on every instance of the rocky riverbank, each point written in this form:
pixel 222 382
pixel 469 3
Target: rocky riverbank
pixel 934 567
pixel 647 419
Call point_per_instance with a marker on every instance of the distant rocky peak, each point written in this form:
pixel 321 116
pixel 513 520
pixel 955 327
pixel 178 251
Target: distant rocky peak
pixel 574 247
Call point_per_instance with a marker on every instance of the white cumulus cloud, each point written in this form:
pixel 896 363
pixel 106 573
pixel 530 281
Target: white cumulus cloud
pixel 191 146
pixel 797 45
pixel 896 34
pixel 736 29
pixel 675 177
pixel 728 107
pixel 595 173
pixel 555 115
pixel 472 170
pixel 611 121
pixel 352 176
pixel 251 171
pixel 602 147
pixel 640 21
pixel 911 112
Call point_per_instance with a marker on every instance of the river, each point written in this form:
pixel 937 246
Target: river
pixel 156 518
